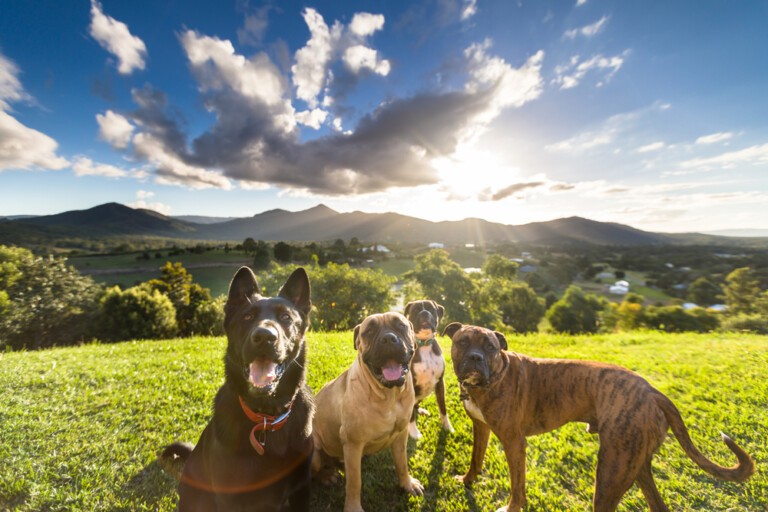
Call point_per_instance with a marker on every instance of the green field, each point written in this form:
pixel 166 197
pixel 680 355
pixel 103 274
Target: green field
pixel 80 427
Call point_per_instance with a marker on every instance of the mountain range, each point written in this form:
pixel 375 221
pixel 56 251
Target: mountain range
pixel 321 223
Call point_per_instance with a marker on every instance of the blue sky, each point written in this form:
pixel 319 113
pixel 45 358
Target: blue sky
pixel 652 114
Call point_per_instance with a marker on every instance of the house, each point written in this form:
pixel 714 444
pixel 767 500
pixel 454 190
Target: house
pixel 618 290
pixel 436 245
pixel 622 283
pixel 527 269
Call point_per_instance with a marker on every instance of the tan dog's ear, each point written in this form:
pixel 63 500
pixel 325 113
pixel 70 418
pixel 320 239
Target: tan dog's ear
pixel 355 334
pixel 452 329
pixel 502 340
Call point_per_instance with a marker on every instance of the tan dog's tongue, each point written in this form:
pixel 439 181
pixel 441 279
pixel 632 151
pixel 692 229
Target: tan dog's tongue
pixel 263 372
pixel 392 370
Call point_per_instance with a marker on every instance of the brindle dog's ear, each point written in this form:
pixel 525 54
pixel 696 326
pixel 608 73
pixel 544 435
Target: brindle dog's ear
pixel 407 308
pixel 452 329
pixel 356 334
pixel 296 289
pixel 502 340
pixel 243 285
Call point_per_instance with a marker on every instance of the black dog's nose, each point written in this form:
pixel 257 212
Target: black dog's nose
pixel 263 335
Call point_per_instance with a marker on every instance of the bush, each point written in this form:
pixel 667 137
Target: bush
pixel 520 308
pixel 43 301
pixel 136 313
pixel 444 281
pixel 208 318
pixel 744 322
pixel 677 319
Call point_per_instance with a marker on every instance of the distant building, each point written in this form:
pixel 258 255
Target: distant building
pixel 473 270
pixel 527 269
pixel 436 245
pixel 604 275
pixel 618 290
pixel 517 260
pixel 690 305
pixel 718 307
pixel 622 283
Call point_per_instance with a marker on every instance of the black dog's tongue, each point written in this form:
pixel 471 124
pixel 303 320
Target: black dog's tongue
pixel 392 371
pixel 262 372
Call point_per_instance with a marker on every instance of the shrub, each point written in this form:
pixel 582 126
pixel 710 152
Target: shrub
pixel 136 313
pixel 677 319
pixel 520 308
pixel 444 281
pixel 744 322
pixel 576 312
pixel 208 317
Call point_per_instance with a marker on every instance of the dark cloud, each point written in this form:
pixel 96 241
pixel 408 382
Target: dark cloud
pixel 510 191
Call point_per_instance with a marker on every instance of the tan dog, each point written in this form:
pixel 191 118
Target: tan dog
pixel 515 396
pixel 367 408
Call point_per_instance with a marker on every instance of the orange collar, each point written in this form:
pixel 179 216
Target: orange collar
pixel 264 423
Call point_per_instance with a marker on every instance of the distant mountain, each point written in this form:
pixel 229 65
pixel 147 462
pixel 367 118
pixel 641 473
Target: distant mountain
pixel 324 224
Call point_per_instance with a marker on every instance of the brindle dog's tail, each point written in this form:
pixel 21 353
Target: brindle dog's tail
pixel 173 457
pixel 742 471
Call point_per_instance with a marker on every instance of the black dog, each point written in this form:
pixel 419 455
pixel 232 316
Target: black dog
pixel 428 364
pixel 255 453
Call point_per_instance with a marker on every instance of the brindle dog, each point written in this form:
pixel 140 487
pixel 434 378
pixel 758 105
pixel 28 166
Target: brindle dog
pixel 515 396
pixel 255 453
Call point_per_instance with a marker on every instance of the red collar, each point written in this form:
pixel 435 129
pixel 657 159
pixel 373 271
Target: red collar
pixel 264 423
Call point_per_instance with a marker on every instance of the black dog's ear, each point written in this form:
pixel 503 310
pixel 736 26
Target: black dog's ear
pixel 452 329
pixel 407 309
pixel 355 334
pixel 440 311
pixel 502 340
pixel 243 285
pixel 296 289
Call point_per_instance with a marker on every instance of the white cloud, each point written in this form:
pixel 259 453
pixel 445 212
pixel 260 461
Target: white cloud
pixel 579 3
pixel 115 129
pixel 588 30
pixel 653 146
pixel 84 166
pixel 312 118
pixel 22 147
pixel 171 170
pixel 364 24
pixel 115 37
pixel 469 10
pixel 570 75
pixel 714 138
pixel 142 203
pixel 753 155
pixel 361 57
pixel 309 72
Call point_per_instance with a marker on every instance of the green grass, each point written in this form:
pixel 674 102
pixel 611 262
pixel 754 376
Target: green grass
pixel 80 427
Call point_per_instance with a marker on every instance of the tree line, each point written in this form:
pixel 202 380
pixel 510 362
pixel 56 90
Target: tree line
pixel 45 302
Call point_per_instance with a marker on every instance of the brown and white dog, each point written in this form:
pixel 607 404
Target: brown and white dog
pixel 515 396
pixel 366 408
pixel 428 363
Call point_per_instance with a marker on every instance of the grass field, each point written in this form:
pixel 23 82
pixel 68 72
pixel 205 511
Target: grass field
pixel 80 427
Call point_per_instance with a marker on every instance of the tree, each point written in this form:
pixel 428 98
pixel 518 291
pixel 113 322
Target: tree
pixel 577 312
pixel 185 295
pixel 262 256
pixel 249 245
pixel 283 252
pixel 43 301
pixel 741 291
pixel 521 308
pixel 500 267
pixel 441 279
pixel 704 292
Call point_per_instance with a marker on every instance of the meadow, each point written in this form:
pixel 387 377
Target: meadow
pixel 80 426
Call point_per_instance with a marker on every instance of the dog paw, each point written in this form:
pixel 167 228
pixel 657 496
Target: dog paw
pixel 447 425
pixel 328 476
pixel 464 479
pixel 414 487
pixel 423 411
pixel 502 509
pixel 413 431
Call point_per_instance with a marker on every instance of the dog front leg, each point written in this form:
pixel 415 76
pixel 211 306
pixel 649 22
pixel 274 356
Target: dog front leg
pixel 399 451
pixel 440 396
pixel 480 435
pixel 514 449
pixel 353 455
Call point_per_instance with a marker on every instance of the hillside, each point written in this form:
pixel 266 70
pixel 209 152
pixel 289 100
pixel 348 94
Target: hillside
pixel 321 223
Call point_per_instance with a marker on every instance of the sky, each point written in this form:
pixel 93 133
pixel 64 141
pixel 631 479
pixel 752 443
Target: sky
pixel 652 114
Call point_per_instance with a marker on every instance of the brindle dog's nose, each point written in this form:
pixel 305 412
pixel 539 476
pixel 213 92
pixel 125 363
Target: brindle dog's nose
pixel 390 338
pixel 262 335
pixel 475 357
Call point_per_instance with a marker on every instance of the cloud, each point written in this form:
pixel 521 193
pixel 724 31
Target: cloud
pixel 254 26
pixel 714 138
pixel 359 57
pixel 653 146
pixel 84 166
pixel 469 9
pixel 570 75
pixel 22 147
pixel 753 155
pixel 309 72
pixel 579 3
pixel 588 30
pixel 312 118
pixel 142 203
pixel 364 24
pixel 115 129
pixel 114 36
pixel 510 191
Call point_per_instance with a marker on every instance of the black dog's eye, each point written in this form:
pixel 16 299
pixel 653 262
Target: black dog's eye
pixel 247 317
pixel 285 317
